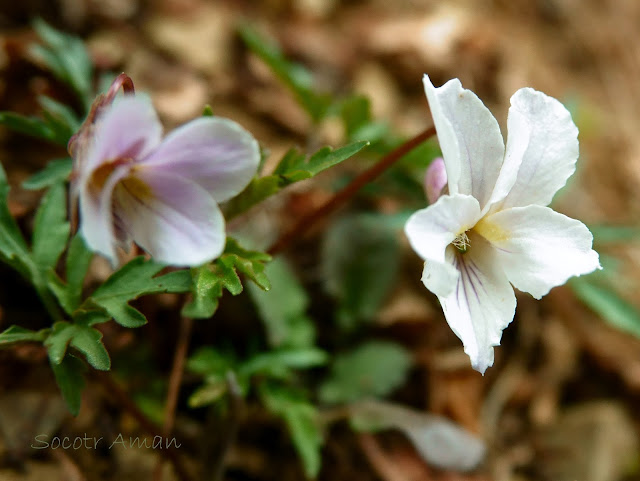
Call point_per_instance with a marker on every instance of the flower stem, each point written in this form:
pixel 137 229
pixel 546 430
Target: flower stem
pixel 306 222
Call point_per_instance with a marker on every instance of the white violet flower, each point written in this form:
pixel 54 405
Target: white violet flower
pixel 133 185
pixel 490 228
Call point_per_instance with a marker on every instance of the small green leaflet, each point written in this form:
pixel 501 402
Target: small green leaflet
pixel 133 280
pixel 15 334
pixel 293 167
pixel 223 273
pixel 85 339
pixel 70 378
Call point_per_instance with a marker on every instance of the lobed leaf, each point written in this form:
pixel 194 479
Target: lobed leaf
pixel 210 280
pixel 84 338
pixel 133 280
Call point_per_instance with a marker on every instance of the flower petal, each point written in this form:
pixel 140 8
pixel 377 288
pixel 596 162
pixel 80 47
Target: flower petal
pixel 172 218
pixel 129 129
pixel 431 230
pixel 481 305
pixel 539 248
pixel 470 139
pixel 542 147
pixel 217 153
pixel 435 180
pixel 96 217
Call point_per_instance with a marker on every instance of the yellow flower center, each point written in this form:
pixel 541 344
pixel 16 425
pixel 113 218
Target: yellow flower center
pixel 461 242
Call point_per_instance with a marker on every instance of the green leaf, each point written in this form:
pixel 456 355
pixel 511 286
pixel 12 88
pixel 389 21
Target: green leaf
pixel 85 339
pixel 51 229
pixel 293 167
pixel 13 248
pixel 69 294
pixel 280 363
pixel 606 234
pixel 55 172
pixel 283 308
pixel 15 334
pixel 214 365
pixel 67 57
pixel 210 280
pixel 298 79
pixel 374 369
pixel 133 280
pixel 70 378
pixel 31 126
pixel 609 305
pixel 61 119
pixel 360 260
pixel 301 418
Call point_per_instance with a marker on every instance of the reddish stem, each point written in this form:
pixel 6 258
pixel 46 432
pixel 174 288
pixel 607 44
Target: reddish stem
pixel 308 221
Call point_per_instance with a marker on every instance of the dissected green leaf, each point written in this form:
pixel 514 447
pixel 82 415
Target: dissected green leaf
pixel 373 369
pixel 609 305
pixel 84 338
pixel 210 280
pixel 70 378
pixel 55 171
pixel 283 308
pixel 301 418
pixel 293 75
pixel 51 229
pixel 67 57
pixel 15 334
pixel 131 281
pixel 360 259
pixel 293 167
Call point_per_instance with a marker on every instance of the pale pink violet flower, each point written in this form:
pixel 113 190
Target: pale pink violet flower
pixel 491 229
pixel 163 194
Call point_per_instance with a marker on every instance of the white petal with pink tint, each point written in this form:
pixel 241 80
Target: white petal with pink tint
pixel 172 218
pixel 216 153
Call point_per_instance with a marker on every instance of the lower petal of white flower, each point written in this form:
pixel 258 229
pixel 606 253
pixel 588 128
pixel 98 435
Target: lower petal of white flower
pixel 96 217
pixel 173 219
pixel 431 230
pixel 539 248
pixel 481 305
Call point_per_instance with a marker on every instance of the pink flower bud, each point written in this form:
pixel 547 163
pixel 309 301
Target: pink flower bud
pixel 435 180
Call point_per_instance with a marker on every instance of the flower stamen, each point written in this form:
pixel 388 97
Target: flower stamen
pixel 461 242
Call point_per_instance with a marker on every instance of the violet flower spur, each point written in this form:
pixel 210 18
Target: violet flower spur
pixel 163 194
pixel 490 229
